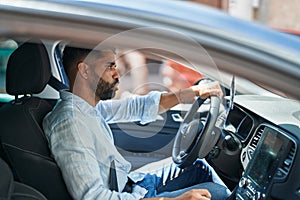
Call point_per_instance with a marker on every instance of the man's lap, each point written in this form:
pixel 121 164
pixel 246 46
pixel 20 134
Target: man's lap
pixel 218 192
pixel 170 181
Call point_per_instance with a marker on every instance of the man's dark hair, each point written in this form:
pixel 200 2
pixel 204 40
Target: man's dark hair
pixel 72 56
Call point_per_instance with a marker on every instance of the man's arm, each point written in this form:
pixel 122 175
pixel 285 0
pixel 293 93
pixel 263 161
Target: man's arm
pixel 168 100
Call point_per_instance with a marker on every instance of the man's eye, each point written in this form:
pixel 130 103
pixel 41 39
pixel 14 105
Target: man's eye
pixel 111 66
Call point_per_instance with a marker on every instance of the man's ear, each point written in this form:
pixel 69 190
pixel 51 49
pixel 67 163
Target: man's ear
pixel 83 69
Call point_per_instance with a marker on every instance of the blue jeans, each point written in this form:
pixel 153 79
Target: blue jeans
pixel 172 181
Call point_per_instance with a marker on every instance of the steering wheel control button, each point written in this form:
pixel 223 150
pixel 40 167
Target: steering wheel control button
pixel 177 117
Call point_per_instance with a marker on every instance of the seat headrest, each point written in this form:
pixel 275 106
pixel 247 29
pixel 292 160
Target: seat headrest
pixel 28 69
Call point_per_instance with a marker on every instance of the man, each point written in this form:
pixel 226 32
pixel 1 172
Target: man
pixel 82 142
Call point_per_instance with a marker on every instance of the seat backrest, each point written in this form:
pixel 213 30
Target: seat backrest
pixel 23 143
pixel 9 189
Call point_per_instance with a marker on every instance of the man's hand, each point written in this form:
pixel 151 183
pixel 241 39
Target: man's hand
pixel 195 194
pixel 205 90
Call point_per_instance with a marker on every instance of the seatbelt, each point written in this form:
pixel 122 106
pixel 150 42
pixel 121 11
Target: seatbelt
pixel 113 181
pixel 56 84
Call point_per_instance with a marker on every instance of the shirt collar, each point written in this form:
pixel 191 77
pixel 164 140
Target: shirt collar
pixel 77 101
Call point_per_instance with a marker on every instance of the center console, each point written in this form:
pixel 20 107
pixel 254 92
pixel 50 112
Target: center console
pixel 270 153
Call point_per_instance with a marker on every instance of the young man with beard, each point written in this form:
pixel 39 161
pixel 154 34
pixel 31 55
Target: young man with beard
pixel 83 145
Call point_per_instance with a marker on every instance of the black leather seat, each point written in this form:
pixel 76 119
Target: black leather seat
pixel 23 144
pixel 12 190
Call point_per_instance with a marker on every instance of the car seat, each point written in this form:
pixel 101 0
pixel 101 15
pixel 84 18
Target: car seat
pixel 23 144
pixel 12 190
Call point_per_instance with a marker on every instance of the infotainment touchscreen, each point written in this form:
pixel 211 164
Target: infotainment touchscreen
pixel 267 158
pixel 270 152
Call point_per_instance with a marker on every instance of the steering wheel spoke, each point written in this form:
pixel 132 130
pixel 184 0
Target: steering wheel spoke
pixel 195 138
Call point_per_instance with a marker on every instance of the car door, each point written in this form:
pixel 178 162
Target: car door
pixel 142 144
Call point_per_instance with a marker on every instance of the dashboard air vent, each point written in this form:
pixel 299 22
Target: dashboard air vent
pixel 256 137
pixel 283 171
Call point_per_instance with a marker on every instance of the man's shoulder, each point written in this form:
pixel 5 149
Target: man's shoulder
pixel 62 111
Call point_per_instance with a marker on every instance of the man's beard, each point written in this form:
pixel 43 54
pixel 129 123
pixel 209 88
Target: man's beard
pixel 106 90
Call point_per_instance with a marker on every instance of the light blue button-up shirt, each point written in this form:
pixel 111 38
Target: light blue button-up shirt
pixel 83 145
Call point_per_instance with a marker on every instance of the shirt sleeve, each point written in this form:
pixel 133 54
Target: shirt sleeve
pixel 137 108
pixel 73 149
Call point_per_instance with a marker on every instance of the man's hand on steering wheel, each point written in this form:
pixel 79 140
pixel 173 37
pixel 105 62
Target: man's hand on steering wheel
pixel 207 89
pixel 196 138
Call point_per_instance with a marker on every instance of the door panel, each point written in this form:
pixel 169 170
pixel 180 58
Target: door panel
pixel 141 144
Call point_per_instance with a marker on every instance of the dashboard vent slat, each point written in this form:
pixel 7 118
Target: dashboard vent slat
pixel 284 170
pixel 256 138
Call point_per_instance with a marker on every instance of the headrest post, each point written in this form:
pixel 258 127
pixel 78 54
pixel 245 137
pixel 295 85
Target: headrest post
pixel 17 101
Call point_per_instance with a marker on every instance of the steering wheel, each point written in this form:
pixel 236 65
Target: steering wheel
pixel 196 138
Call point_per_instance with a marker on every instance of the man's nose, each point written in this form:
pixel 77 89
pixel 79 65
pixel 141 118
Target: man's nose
pixel 115 73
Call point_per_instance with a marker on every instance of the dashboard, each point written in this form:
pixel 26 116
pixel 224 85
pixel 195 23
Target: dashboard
pixel 261 159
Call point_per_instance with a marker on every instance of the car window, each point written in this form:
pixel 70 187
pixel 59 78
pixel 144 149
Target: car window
pixel 153 75
pixel 6 48
pixel 140 74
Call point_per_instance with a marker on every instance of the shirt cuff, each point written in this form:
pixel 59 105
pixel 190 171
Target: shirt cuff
pixel 151 107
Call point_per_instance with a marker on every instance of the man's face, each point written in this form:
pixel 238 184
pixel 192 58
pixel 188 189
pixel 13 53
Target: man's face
pixel 106 90
pixel 105 77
